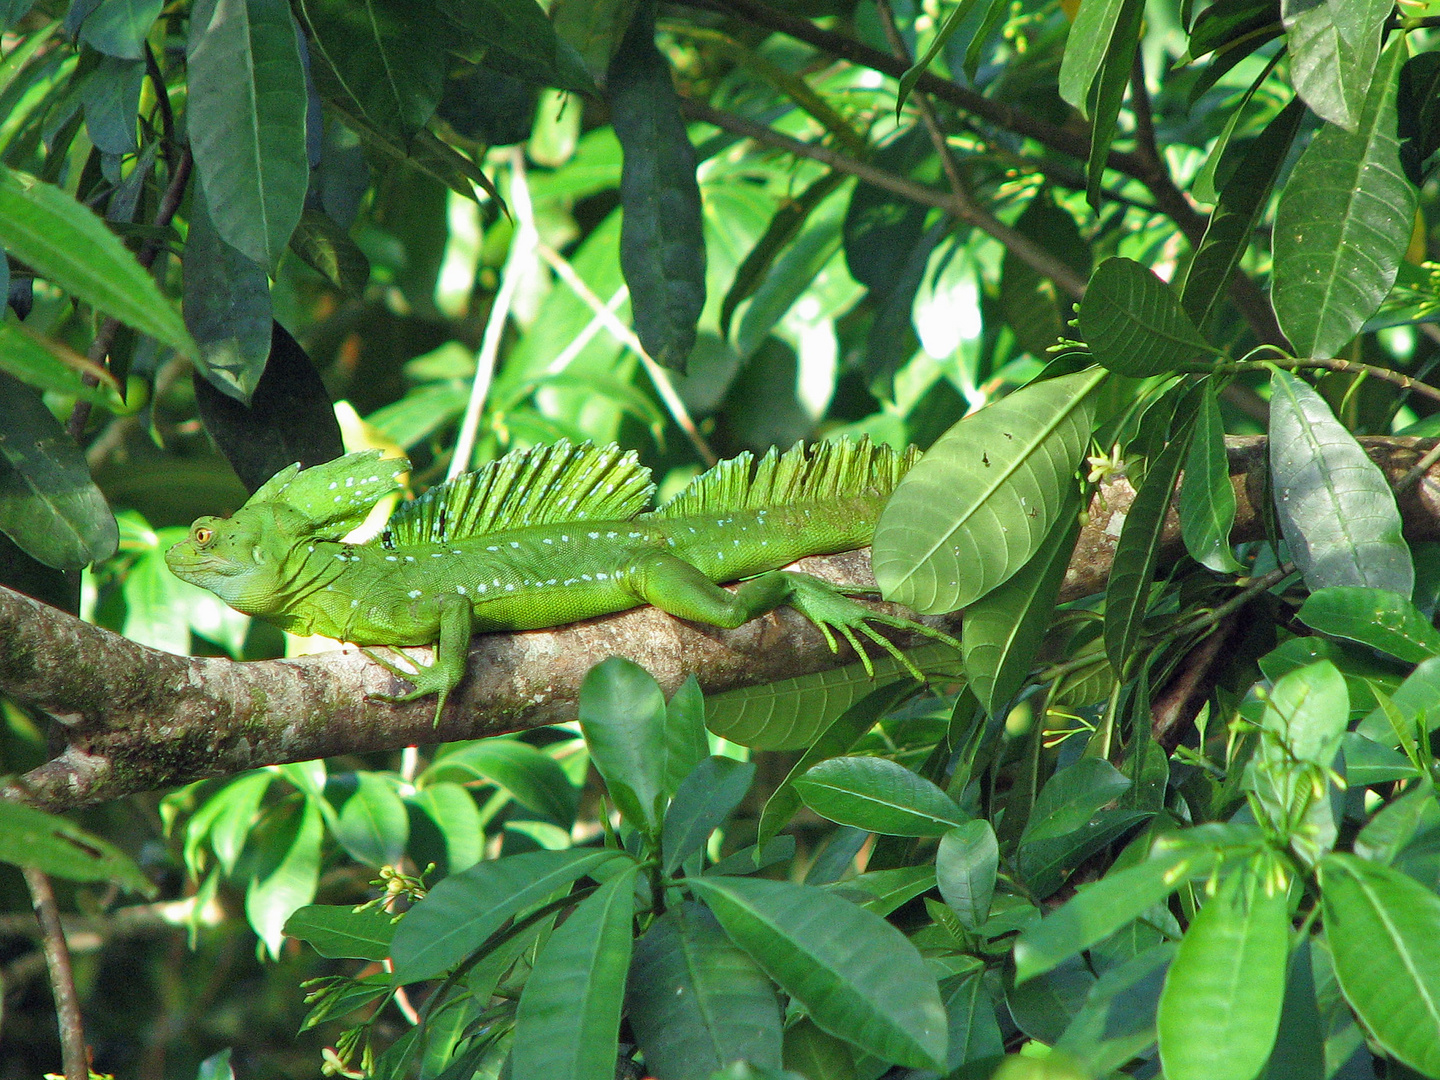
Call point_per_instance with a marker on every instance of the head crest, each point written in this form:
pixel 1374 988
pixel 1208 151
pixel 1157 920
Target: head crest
pixel 336 496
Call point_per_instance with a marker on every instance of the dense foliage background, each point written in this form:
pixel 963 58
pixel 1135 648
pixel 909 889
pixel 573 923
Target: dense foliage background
pixel 1179 819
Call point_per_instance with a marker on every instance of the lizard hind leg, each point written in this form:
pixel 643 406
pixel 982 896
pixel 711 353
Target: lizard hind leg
pixel 448 669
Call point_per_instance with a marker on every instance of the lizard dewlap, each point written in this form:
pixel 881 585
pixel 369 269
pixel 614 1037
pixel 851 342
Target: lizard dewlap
pixel 543 537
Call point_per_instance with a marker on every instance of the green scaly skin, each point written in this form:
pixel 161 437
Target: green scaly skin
pixel 529 578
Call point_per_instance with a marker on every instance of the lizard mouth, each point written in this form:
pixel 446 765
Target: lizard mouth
pixel 184 559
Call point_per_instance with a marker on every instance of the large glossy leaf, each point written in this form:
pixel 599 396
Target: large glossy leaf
pixel 1072 797
pixel 1414 700
pixel 622 713
pixel 568 1020
pixel 459 913
pixel 119 27
pixel 286 870
pixel 371 823
pixel 1085 49
pixel 696 1001
pixel 1335 508
pixel 1207 501
pixel 974 1031
pixel 247 122
pixel 340 932
pixel 450 810
pixel 965 866
pixel 520 29
pixel 1117 1021
pixel 49 505
pixel 979 504
pixel 1137 553
pixel 1343 223
pixel 1098 910
pixel 1004 628
pixel 791 713
pixel 706 798
pixel 1333 48
pixel 534 778
pixel 856 975
pixel 1382 927
pixel 1220 1008
pixel 879 796
pixel 29 837
pixel 685 745
pixel 226 306
pixel 1134 323
pixel 64 242
pixel 1376 617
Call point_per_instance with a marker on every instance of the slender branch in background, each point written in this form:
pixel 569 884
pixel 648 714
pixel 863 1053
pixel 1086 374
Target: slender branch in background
pixel 658 376
pixel 1334 363
pixel 1024 248
pixel 1411 478
pixel 522 247
pixel 105 338
pixel 162 99
pixel 62 976
pixel 1145 144
pixel 567 355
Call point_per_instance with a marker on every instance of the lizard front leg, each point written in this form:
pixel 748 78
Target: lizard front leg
pixel 674 586
pixel 456 624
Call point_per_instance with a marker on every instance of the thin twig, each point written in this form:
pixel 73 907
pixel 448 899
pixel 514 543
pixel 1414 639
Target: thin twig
pixel 162 99
pixel 522 246
pixel 62 977
pixel 1331 363
pixel 1422 466
pixel 622 333
pixel 1023 247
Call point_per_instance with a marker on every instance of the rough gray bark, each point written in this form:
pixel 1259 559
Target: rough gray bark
pixel 134 719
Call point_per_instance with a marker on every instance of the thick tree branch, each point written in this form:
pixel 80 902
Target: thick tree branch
pixel 136 719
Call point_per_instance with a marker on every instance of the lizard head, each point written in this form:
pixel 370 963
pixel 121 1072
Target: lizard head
pixel 241 558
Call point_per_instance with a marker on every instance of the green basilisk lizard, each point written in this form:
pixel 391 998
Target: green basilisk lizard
pixel 544 537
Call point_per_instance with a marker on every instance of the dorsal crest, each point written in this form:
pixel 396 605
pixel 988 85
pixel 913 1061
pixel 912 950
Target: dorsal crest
pixel 542 485
pixel 822 472
pixel 335 496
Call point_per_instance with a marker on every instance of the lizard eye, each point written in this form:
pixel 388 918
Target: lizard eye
pixel 203 536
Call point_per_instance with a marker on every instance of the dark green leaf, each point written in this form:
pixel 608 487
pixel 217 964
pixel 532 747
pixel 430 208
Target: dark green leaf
pixel 568 1020
pixel 662 241
pixel 340 932
pixel 965 866
pixel 957 15
pixel 112 98
pixel 520 29
pixel 31 838
pixel 1030 303
pixel 119 27
pixel 1413 701
pixel 980 502
pixel 458 914
pixel 705 799
pixel 1381 927
pixel 622 714
pixel 686 744
pixel 1117 1021
pixel 1335 507
pixel 286 871
pixel 1376 617
pixel 1134 323
pixel 1073 796
pixel 48 504
pixel 1333 48
pixel 878 796
pixel 1343 223
pixel 450 810
pixel 1299 1052
pixel 328 250
pixel 247 123
pixel 534 778
pixel 1207 499
pixel 696 1001
pixel 855 974
pixel 1088 43
pixel 1107 93
pixel 372 824
pixel 1417 103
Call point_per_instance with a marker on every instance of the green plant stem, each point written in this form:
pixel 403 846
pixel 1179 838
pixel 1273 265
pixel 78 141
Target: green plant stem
pixel 1333 363
pixel 1214 616
pixel 62 976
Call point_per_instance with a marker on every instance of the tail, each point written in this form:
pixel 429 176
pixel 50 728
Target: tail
pixel 819 473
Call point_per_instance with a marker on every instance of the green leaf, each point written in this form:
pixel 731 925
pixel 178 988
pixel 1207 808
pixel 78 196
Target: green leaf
pixel 622 715
pixel 685 745
pixel 1388 833
pixel 1134 323
pixel 568 1021
pixel 1072 797
pixel 67 244
pixel 1334 505
pixel 1137 553
pixel 1368 762
pixel 520 29
pixel 791 714
pixel 457 915
pixel 49 505
pixel 29 837
pixel 327 249
pixel 340 932
pixel 372 824
pixel 1243 202
pixel 1085 50
pixel 1207 500
pixel 1107 93
pixel 532 777
pixel 696 1001
pixel 706 798
pixel 965 866
pixel 958 14
pixel 1343 223
pixel 1379 618
pixel 662 238
pixel 1382 926
pixel 377 60
pixel 882 891
pixel 226 819
pixel 453 813
pixel 119 27
pixel 287 868
pixel 979 504
pixel 1098 910
pixel 1220 1008
pixel 879 796
pixel 857 976
pixel 1004 628
pixel 1117 1021
pixel 30 360
pixel 226 306
pixel 1299 1052
pixel 1045 864
pixel 1415 700
pixel 1333 48
pixel 247 122
pixel 974 1031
